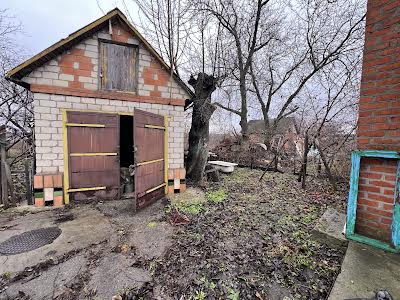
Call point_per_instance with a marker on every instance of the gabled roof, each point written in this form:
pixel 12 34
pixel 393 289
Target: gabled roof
pixel 76 37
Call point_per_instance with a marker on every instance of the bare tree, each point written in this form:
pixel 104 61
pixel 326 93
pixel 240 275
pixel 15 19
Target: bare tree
pixel 15 102
pixel 329 114
pixel 248 28
pixel 175 28
pixel 168 26
pixel 318 34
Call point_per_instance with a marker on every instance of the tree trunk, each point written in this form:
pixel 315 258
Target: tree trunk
pixel 326 165
pixel 204 85
pixel 243 112
pixel 303 171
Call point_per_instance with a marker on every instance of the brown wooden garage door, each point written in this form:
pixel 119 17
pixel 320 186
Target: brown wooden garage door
pixel 149 157
pixel 93 140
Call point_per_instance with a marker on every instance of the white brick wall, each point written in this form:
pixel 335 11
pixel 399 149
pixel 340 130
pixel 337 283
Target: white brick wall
pixel 48 126
pixel 49 73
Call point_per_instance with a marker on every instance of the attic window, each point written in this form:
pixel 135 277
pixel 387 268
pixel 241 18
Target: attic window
pixel 118 66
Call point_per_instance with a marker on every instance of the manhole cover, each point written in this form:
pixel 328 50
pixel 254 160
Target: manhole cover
pixel 29 240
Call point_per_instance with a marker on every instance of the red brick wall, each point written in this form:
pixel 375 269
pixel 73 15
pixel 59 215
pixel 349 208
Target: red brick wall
pixel 375 198
pixel 379 118
pixel 379 110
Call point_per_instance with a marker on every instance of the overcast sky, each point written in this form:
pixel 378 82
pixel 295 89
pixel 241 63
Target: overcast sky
pixel 45 22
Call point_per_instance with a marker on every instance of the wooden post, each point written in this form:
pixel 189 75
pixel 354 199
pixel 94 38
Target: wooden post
pixel 4 186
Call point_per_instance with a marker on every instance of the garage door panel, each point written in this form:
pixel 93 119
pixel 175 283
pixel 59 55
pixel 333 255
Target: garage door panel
pixel 149 142
pixel 92 163
pixel 85 139
pixel 94 179
pixel 87 170
pixel 150 176
pixel 145 118
pixel 108 120
pixel 152 146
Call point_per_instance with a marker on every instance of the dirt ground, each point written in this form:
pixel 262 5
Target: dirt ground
pixel 252 241
pixel 245 240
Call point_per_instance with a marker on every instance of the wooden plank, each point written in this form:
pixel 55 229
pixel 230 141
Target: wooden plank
pixel 373 242
pixel 154 126
pixel 396 212
pixel 378 153
pixel 353 193
pixel 155 188
pixel 97 188
pixel 166 153
pixel 118 66
pixel 150 175
pixel 95 154
pixel 65 154
pixel 84 125
pixel 149 162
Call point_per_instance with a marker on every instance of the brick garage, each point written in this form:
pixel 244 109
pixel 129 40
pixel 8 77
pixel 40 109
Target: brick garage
pixel 379 120
pixel 79 73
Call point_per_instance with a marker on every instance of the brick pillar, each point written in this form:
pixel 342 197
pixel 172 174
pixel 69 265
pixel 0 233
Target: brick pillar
pixel 379 118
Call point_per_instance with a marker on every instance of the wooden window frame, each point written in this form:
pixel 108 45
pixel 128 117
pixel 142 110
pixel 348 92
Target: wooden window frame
pixel 353 195
pixel 99 69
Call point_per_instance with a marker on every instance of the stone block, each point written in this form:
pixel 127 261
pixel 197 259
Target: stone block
pixel 38 181
pixel 39 202
pixel 68 77
pixel 58 201
pixel 47 181
pixel 90 86
pixel 61 83
pixel 50 75
pixel 329 229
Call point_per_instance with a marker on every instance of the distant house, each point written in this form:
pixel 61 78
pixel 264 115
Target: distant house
pixel 105 103
pixel 286 132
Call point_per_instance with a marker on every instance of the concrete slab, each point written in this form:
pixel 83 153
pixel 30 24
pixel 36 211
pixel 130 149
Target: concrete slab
pixel 49 284
pixel 99 270
pixel 88 227
pixel 115 275
pixel 146 230
pixel 329 229
pixel 365 270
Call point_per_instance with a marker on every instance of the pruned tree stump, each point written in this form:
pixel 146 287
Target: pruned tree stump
pixel 212 174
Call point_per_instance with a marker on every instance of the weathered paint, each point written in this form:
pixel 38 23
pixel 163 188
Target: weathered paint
pixel 154 127
pixel 373 242
pixel 396 212
pixel 84 125
pixel 155 188
pixel 166 153
pixel 97 188
pixel 352 201
pixel 378 153
pixel 65 150
pixel 149 162
pixel 98 111
pixel 95 154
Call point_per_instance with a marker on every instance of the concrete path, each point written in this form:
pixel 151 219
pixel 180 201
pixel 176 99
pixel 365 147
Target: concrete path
pixel 365 270
pixel 103 250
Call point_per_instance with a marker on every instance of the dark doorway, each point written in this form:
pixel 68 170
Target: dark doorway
pixel 126 154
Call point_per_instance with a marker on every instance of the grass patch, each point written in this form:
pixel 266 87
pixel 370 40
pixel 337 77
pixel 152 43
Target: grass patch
pixel 216 196
pixel 186 208
pixel 152 225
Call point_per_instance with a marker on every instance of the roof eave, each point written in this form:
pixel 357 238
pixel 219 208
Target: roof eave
pixel 18 72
